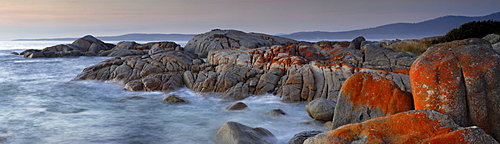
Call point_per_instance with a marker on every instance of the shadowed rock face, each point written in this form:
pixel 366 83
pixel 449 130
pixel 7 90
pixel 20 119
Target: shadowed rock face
pixel 372 93
pixel 418 126
pixel 226 39
pixel 460 79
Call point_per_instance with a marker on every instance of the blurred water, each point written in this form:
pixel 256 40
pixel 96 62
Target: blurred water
pixel 39 103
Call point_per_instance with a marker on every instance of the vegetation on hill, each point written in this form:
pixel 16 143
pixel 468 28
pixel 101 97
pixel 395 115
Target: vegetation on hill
pixel 474 29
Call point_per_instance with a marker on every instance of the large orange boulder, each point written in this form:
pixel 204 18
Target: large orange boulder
pixel 372 93
pixel 417 126
pixel 460 79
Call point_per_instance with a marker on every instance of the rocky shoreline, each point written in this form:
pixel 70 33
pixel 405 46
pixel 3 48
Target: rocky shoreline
pixel 365 92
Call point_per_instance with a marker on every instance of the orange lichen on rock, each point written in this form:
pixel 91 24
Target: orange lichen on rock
pixel 418 126
pixel 376 92
pixel 401 71
pixel 460 79
pixel 370 94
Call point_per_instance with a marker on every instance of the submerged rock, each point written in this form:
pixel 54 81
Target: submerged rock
pixel 460 79
pixel 236 133
pixel 417 126
pixel 276 112
pixel 237 106
pixel 131 98
pixel 174 99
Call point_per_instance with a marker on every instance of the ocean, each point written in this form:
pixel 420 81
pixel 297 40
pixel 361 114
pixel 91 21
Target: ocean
pixel 39 103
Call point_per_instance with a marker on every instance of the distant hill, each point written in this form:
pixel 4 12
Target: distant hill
pixel 128 37
pixel 434 27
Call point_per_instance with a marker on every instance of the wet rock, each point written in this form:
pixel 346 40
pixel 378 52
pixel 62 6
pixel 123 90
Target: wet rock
pixel 302 136
pixel 226 39
pixel 356 43
pixel 460 79
pixel 131 98
pixel 321 109
pixel 372 93
pixel 417 126
pixel 276 112
pixel 173 99
pixel 236 133
pixel 237 106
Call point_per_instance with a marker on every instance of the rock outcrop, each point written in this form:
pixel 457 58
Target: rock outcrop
pixel 460 79
pixel 85 46
pixel 158 72
pixel 236 133
pixel 90 46
pixel 418 126
pixel 372 93
pixel 226 39
pixel 293 71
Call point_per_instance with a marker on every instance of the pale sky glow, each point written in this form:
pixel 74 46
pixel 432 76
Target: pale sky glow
pixel 75 18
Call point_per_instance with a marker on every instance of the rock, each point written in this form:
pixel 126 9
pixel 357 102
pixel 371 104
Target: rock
pixel 127 45
pixel 90 43
pixel 159 72
pixel 236 133
pixel 277 69
pixel 131 98
pixel 496 47
pixel 226 39
pixel 174 99
pixel 321 109
pixel 356 43
pixel 237 106
pixel 302 136
pixel 387 59
pixel 417 126
pixel 369 94
pixel 14 53
pixel 85 46
pixel 460 79
pixel 492 38
pixel 276 112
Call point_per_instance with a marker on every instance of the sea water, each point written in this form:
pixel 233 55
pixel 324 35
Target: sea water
pixel 40 103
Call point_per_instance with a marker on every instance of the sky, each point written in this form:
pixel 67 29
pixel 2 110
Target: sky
pixel 75 18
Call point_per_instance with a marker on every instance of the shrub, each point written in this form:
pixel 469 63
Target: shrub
pixel 474 29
